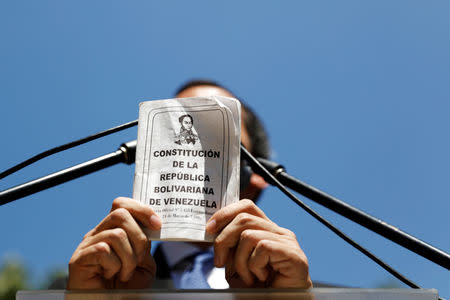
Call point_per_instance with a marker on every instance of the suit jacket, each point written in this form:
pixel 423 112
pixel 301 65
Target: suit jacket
pixel 163 280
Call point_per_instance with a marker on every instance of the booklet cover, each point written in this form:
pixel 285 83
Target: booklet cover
pixel 187 162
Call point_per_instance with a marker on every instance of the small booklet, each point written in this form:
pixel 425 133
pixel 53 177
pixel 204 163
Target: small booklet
pixel 187 162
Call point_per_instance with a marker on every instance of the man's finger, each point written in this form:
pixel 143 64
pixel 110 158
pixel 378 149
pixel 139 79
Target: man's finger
pixel 118 240
pixel 225 215
pixel 260 258
pixel 122 218
pixel 289 264
pixel 143 213
pixel 248 241
pixel 230 235
pixel 97 260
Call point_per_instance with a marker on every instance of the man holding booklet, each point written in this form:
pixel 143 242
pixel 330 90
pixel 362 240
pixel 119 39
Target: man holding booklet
pixel 254 251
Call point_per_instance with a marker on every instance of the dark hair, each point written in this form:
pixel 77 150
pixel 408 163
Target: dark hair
pixel 258 136
pixel 180 119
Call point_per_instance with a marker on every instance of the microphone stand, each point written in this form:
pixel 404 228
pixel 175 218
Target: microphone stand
pixel 376 225
pixel 127 153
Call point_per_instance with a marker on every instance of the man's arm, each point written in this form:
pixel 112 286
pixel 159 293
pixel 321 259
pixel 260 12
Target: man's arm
pixel 116 253
pixel 255 250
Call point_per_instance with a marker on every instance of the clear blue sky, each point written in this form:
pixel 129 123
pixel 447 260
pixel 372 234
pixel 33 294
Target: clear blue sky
pixel 355 96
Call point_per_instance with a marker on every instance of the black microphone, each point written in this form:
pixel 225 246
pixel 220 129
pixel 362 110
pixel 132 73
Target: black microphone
pixel 362 218
pixel 125 154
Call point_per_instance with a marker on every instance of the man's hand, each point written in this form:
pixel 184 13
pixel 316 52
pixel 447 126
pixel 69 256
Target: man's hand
pixel 256 251
pixel 116 253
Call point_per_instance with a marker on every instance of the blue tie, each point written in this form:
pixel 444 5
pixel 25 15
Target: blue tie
pixel 194 277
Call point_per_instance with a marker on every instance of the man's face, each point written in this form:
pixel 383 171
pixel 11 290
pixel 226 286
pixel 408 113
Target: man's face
pixel 257 183
pixel 208 90
pixel 187 123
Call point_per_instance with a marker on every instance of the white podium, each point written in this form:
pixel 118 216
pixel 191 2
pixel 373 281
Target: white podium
pixel 244 294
